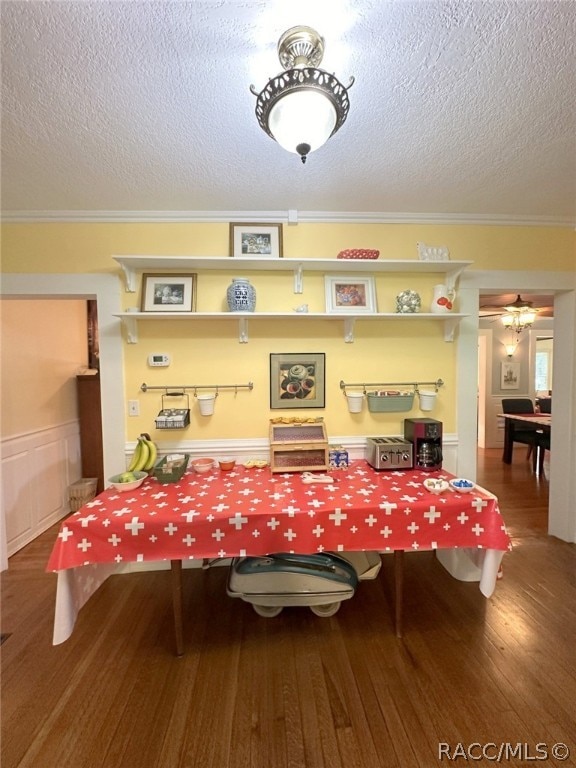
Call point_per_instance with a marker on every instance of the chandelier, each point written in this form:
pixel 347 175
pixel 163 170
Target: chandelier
pixel 519 315
pixel 303 106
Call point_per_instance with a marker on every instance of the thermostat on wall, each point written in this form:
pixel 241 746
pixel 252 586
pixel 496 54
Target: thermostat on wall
pixel 159 360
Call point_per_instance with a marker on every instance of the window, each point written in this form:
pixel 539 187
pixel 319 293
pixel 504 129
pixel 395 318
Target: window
pixel 542 372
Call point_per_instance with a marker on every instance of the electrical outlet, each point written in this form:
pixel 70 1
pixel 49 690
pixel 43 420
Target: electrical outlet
pixel 133 407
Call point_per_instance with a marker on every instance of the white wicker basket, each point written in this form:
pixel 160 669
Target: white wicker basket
pixel 81 492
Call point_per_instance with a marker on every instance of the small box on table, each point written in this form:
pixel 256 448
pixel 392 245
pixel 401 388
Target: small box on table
pixel 338 457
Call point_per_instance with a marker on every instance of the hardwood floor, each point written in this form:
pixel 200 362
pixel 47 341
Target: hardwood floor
pixel 299 691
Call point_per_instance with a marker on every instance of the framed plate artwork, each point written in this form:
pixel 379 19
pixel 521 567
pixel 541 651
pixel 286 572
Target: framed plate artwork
pixel 298 380
pixel 350 294
pixel 168 293
pixel 252 240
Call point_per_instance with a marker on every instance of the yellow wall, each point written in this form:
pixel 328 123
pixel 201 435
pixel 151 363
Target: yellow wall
pixel 206 352
pixel 209 353
pixel 76 247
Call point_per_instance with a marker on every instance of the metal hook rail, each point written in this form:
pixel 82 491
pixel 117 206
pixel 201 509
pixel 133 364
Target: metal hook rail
pixel 180 389
pixel 436 384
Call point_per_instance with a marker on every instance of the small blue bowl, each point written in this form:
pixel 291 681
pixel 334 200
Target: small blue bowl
pixel 462 485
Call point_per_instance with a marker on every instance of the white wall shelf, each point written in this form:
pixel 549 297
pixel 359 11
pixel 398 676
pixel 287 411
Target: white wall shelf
pixel 131 320
pixel 132 265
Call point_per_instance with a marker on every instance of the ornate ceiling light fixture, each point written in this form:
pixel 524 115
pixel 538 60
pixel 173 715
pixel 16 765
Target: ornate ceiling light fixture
pixel 303 106
pixel 519 315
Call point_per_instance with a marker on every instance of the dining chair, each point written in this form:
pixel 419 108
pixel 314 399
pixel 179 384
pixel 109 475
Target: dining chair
pixel 543 445
pixel 545 406
pixel 526 434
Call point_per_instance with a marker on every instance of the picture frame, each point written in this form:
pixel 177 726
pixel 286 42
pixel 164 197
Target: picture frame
pixel 352 295
pixel 509 375
pixel 297 380
pixel 168 292
pixel 253 240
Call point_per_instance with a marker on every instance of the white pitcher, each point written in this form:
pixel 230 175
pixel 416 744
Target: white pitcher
pixel 442 299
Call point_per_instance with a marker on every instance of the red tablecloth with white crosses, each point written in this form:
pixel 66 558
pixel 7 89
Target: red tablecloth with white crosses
pixel 250 511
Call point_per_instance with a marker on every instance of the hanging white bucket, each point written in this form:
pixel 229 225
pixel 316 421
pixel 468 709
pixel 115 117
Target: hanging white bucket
pixel 206 403
pixel 427 400
pixel 355 401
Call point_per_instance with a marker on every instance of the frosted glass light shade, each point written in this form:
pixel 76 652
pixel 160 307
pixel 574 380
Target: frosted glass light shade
pixel 507 320
pixel 527 316
pixel 518 320
pixel 302 117
pixel 303 106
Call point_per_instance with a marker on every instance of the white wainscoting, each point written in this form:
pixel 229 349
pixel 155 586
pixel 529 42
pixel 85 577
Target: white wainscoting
pixel 494 426
pixel 37 468
pixel 259 448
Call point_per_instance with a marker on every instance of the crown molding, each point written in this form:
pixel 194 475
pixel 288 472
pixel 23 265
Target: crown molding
pixel 290 217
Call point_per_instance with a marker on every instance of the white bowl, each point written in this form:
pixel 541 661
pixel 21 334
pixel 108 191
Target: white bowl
pixel 202 465
pixel 462 485
pixel 122 487
pixel 435 486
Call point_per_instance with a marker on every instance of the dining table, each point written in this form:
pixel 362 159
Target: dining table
pixel 252 511
pixel 542 421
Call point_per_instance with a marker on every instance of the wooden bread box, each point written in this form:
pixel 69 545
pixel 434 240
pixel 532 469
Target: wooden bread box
pixel 298 447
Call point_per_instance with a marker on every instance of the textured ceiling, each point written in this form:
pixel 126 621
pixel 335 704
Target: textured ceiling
pixel 459 109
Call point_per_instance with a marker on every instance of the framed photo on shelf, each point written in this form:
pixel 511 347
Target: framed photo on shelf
pixel 168 293
pixel 256 240
pixel 350 294
pixel 510 375
pixel 298 380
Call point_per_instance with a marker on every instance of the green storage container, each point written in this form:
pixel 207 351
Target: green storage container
pixel 386 403
pixel 171 471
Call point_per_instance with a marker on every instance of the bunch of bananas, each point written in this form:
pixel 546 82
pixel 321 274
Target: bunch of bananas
pixel 145 454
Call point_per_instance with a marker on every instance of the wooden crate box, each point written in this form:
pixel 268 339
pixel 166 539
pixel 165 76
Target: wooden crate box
pixel 298 447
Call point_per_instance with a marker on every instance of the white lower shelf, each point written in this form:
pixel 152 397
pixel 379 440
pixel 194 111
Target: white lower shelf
pixel 131 319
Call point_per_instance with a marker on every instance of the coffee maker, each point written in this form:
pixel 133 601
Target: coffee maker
pixel 426 437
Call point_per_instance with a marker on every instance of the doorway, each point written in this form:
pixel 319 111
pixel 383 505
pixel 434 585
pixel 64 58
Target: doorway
pixel 562 515
pixel 105 290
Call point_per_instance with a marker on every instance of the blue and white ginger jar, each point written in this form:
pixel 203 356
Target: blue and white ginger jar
pixel 241 295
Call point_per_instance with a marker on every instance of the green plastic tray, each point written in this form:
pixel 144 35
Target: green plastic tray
pixel 389 403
